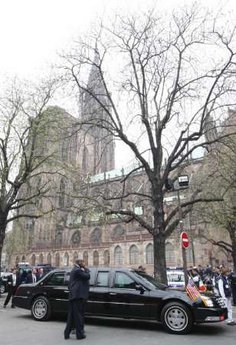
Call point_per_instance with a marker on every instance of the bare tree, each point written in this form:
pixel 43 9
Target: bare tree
pixel 22 141
pixel 219 176
pixel 160 80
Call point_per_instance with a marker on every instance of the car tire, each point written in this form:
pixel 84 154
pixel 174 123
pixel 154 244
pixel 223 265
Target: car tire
pixel 176 318
pixel 2 288
pixel 41 309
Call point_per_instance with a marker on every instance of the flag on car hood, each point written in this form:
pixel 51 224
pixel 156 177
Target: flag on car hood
pixel 192 291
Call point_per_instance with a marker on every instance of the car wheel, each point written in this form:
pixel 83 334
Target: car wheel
pixel 41 310
pixel 2 288
pixel 176 318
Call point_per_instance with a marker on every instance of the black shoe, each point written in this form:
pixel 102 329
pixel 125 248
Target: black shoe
pixel 66 336
pixel 82 336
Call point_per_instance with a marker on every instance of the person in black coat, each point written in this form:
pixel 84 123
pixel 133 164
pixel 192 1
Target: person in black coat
pixel 78 294
pixel 11 288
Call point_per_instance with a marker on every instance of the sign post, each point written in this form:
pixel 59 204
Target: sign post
pixel 185 240
pixel 185 244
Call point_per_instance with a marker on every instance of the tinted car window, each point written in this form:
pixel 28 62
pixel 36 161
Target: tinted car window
pixel 102 279
pixel 56 279
pixel 150 281
pixel 122 280
pixel 175 277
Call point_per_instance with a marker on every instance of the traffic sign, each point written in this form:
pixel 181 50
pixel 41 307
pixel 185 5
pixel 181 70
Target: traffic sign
pixel 185 240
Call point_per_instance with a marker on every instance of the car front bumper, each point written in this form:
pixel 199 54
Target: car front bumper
pixel 210 314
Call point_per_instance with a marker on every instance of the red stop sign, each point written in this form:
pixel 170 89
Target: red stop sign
pixel 185 240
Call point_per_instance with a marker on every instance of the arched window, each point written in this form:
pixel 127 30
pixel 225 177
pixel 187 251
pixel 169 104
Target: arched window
pixel 133 255
pixel 66 259
pixel 33 260
pixel 106 257
pixel 170 254
pixel 95 258
pixel 57 260
pixel 75 257
pixel 118 232
pixel 96 236
pixel 41 258
pixel 23 258
pixel 85 258
pixel 149 254
pixel 75 239
pixel 49 259
pixel 61 201
pixel 118 256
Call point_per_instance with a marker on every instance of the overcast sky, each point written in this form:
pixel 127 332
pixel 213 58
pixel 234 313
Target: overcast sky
pixel 32 32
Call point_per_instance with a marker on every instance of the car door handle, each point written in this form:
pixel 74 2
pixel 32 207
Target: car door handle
pixel 112 293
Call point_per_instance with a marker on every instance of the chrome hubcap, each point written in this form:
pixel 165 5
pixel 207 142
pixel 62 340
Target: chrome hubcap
pixel 40 309
pixel 176 319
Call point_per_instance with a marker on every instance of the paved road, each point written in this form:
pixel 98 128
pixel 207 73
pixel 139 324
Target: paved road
pixel 18 328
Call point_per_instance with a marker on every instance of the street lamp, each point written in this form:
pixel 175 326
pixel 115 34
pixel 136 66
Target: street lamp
pixel 183 182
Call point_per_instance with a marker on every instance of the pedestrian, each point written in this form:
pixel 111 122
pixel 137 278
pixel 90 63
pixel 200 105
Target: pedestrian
pixel 40 273
pixel 34 275
pixel 194 275
pixel 226 293
pixel 142 269
pixel 78 294
pixel 11 288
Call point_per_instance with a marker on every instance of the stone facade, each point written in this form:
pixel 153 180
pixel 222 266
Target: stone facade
pixel 63 235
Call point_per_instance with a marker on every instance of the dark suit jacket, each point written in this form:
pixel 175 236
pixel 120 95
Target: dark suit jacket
pixel 79 283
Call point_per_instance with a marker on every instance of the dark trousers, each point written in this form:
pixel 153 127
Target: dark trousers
pixel 10 294
pixel 75 317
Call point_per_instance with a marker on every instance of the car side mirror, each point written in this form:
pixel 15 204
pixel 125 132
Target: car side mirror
pixel 139 288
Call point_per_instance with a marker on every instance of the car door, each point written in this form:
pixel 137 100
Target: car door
pixel 127 298
pixel 55 288
pixel 98 294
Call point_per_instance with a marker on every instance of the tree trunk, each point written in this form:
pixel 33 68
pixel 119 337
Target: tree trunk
pixel 159 258
pixel 232 234
pixel 3 226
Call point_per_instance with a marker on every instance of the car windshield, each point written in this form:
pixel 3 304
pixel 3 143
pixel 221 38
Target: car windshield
pixel 175 277
pixel 151 281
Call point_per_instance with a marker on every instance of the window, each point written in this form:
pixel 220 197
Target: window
pixel 85 258
pixel 66 259
pixel 95 258
pixel 133 255
pixel 49 259
pixel 56 279
pixel 106 256
pixel 124 281
pixel 96 236
pixel 102 279
pixel 118 257
pixel 149 254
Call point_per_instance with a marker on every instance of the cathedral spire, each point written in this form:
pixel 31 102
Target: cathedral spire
pixel 101 147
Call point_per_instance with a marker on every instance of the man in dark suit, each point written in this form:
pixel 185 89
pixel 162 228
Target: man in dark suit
pixel 78 294
pixel 11 287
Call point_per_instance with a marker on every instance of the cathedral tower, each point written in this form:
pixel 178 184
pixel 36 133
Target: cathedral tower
pixel 98 154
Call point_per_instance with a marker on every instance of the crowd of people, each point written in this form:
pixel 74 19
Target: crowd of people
pixel 218 280
pixel 21 276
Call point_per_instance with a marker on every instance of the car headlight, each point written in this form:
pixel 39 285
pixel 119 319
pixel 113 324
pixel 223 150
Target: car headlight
pixel 207 301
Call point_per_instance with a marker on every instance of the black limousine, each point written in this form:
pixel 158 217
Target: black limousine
pixel 121 293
